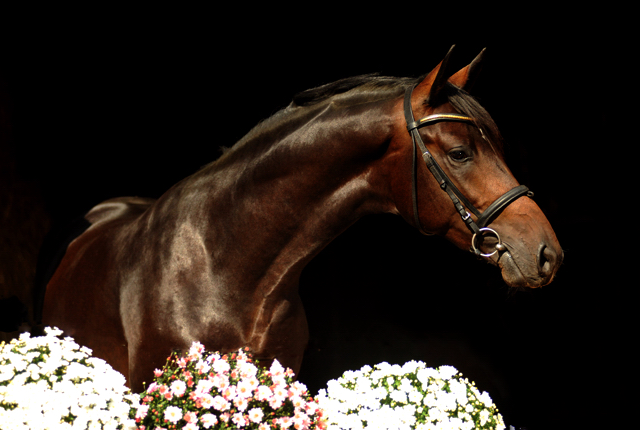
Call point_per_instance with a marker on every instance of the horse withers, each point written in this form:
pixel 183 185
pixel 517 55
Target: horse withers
pixel 218 257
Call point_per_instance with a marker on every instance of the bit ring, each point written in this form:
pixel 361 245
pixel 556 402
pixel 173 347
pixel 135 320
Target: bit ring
pixel 498 247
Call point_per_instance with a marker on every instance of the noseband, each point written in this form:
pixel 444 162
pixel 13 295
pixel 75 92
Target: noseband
pixel 479 227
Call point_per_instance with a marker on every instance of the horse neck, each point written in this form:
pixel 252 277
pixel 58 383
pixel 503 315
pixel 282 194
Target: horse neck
pixel 278 204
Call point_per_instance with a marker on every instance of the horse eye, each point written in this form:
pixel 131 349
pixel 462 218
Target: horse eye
pixel 459 155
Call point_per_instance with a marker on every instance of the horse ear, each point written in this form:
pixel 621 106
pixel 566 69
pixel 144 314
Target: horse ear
pixel 434 82
pixel 466 77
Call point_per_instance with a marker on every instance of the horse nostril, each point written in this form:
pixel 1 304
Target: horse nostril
pixel 547 259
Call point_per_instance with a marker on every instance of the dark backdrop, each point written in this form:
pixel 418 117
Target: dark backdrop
pixel 104 103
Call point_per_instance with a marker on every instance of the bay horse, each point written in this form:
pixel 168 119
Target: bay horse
pixel 218 257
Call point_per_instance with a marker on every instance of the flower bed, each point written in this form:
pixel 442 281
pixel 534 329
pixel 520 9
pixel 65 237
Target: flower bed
pixel 409 397
pixel 50 382
pixel 210 390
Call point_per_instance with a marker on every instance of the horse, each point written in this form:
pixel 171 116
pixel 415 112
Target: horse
pixel 218 257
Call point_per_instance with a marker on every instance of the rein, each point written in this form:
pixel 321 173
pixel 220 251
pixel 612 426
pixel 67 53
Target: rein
pixel 479 227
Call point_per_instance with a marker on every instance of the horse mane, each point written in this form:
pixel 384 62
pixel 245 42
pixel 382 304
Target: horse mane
pixel 369 88
pixel 370 84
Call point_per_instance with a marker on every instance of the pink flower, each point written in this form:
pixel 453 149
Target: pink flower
pixel 276 369
pixel 311 408
pixel 191 417
pixel 158 373
pixel 190 426
pixel 275 402
pixel 220 381
pixel 280 392
pixel 264 426
pixel 202 367
pixel 241 403
pixel 301 420
pixel 152 387
pixel 204 386
pixel 255 415
pixel 285 422
pixel 194 396
pixel 298 389
pixel 220 404
pixel 196 350
pixel 205 402
pixel 142 411
pixel 247 369
pixel 239 420
pixel 252 382
pixel 245 389
pixel 298 402
pixel 229 393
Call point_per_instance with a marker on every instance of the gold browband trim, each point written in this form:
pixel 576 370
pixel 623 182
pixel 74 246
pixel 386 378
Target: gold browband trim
pixel 444 117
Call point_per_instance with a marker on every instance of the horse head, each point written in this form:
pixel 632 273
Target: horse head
pixel 463 190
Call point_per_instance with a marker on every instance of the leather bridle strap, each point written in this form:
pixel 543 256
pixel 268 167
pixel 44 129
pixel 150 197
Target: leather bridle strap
pixel 502 202
pixel 458 199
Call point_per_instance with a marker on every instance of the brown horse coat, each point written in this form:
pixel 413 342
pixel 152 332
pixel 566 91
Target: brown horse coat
pixel 218 257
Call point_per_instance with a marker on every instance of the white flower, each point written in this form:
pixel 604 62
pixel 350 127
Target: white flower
pixel 447 401
pixel 255 415
pixel 178 387
pixel 202 366
pixel 173 414
pixel 208 420
pixel 486 399
pixel 411 366
pixel 424 374
pixel 398 396
pixel 220 366
pixel 405 385
pixel 408 397
pixel 415 397
pixel 47 380
pixel 447 372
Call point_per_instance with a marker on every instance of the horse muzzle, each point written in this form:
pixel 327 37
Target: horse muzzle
pixel 523 269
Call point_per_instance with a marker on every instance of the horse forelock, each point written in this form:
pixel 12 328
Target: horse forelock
pixel 466 104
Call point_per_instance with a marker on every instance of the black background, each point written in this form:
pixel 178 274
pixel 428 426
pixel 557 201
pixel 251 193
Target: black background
pixel 110 102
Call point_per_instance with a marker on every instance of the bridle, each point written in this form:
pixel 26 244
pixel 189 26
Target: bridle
pixel 479 227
